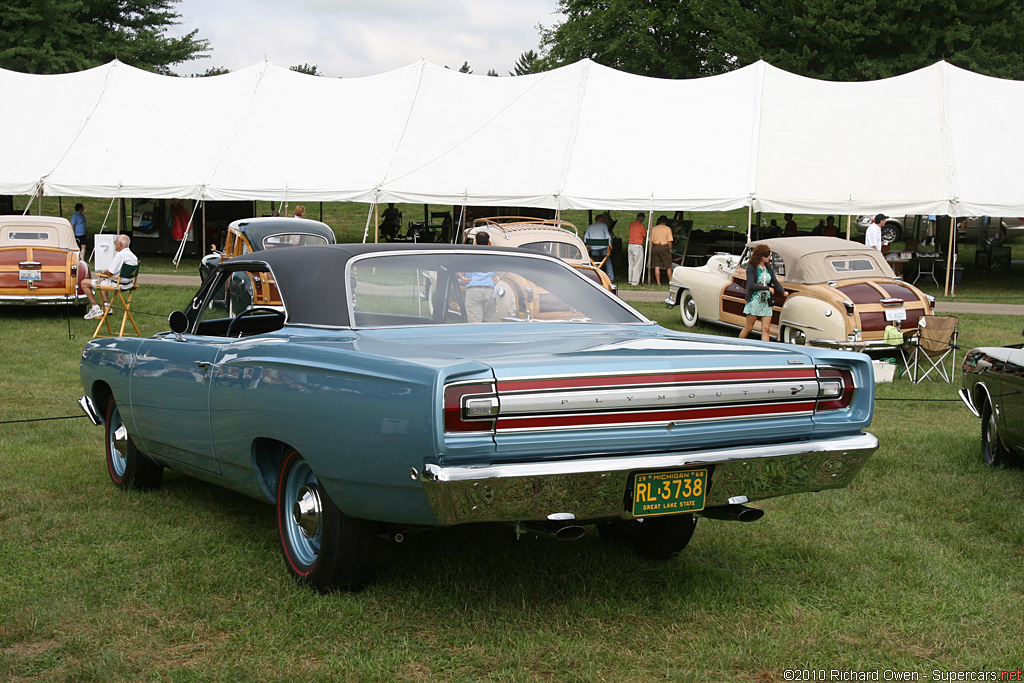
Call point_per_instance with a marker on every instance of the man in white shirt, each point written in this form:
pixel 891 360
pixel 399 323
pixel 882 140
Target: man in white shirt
pixel 873 236
pixel 123 256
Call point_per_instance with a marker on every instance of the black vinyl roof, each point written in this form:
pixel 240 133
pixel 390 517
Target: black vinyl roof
pixel 311 279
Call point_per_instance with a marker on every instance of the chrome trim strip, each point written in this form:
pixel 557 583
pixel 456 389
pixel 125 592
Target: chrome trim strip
pixel 640 398
pixel 90 410
pixel 689 372
pixel 669 423
pixel 594 488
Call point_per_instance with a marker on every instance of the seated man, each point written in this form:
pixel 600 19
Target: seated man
pixel 122 256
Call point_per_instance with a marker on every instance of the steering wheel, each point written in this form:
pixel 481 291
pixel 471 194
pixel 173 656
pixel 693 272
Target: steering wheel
pixel 255 310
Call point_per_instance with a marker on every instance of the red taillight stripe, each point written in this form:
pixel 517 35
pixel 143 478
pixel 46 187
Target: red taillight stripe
pixel 658 379
pixel 657 416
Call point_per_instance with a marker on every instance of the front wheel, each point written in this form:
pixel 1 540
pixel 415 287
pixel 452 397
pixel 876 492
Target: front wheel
pixel 891 232
pixel 992 449
pixel 688 309
pixel 128 468
pixel 656 538
pixel 323 548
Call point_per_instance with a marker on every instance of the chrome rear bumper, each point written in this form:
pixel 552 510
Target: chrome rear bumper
pixel 595 488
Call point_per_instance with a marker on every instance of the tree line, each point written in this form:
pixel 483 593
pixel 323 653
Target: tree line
pixel 847 40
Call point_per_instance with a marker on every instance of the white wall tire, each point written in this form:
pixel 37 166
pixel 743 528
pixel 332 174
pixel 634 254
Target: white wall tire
pixel 688 309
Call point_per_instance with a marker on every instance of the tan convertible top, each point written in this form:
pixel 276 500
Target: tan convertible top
pixel 813 260
pixel 37 231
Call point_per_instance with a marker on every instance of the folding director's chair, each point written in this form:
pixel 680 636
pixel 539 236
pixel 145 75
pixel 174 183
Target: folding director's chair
pixel 115 288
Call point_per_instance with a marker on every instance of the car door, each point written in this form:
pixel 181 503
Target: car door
pixel 1013 398
pixel 170 388
pixel 170 392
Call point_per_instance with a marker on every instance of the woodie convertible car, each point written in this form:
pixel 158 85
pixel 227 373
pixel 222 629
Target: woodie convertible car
pixel 40 262
pixel 837 291
pixel 365 406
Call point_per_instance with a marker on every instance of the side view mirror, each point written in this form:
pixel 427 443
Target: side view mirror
pixel 178 322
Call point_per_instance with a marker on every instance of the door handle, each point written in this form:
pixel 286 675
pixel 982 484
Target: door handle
pixel 201 364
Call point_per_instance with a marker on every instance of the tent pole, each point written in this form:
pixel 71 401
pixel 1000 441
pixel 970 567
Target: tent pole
pixel 201 251
pixel 951 255
pixel 120 209
pixel 750 221
pixel 849 219
pixel 376 221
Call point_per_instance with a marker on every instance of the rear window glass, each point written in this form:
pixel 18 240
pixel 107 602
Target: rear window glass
pixel 293 240
pixel 845 266
pixel 557 249
pixel 23 236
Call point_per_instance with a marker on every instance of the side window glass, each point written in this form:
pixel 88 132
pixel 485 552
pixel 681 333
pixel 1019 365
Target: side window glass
pixel 778 265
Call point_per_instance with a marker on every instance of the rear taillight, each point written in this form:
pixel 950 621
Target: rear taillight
pixel 470 407
pixel 835 388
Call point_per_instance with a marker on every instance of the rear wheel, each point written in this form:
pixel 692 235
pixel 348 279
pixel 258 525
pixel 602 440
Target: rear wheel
pixel 322 547
pixel 128 468
pixel 688 309
pixel 656 538
pixel 794 335
pixel 992 449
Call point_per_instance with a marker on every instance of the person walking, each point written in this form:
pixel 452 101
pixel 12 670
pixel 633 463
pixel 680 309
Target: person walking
pixel 661 249
pixel 635 253
pixel 760 281
pixel 873 236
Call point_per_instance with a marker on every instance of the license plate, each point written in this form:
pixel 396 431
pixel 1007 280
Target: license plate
pixel 29 274
pixel 895 314
pixel 669 493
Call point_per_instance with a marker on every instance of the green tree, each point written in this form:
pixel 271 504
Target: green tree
pixel 464 69
pixel 492 72
pixel 528 63
pixel 213 71
pixel 57 36
pixel 311 69
pixel 867 39
pixel 832 39
pixel 660 38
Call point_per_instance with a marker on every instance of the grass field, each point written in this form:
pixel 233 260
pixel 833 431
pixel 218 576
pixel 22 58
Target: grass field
pixel 918 566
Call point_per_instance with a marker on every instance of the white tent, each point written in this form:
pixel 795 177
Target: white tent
pixel 936 141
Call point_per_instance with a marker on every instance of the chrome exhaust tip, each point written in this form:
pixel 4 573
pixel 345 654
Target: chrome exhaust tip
pixel 733 513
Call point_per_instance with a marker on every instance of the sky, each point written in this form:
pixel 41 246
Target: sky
pixel 351 38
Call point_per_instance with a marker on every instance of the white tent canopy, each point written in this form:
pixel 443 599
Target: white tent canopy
pixel 940 140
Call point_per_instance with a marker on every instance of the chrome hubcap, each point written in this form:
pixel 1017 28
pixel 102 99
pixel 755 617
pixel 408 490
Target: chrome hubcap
pixel 306 510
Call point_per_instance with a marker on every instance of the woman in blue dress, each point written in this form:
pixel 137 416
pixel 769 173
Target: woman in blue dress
pixel 760 281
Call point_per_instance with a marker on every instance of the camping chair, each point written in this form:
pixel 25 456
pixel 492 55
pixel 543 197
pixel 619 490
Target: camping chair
pixel 594 243
pixel 115 288
pixel 934 341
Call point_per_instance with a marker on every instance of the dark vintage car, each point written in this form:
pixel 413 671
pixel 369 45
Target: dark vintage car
pixel 269 232
pixel 366 406
pixel 993 388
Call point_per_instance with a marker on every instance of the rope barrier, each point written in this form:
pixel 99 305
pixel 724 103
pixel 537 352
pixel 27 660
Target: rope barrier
pixel 42 419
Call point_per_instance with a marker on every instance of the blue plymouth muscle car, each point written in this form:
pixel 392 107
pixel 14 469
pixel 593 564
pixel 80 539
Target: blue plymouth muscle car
pixel 399 388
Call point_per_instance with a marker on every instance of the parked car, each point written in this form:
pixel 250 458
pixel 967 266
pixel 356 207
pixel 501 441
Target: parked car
pixel 971 227
pixel 366 407
pixel 550 236
pixel 837 291
pixel 271 232
pixel 993 387
pixel 40 262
